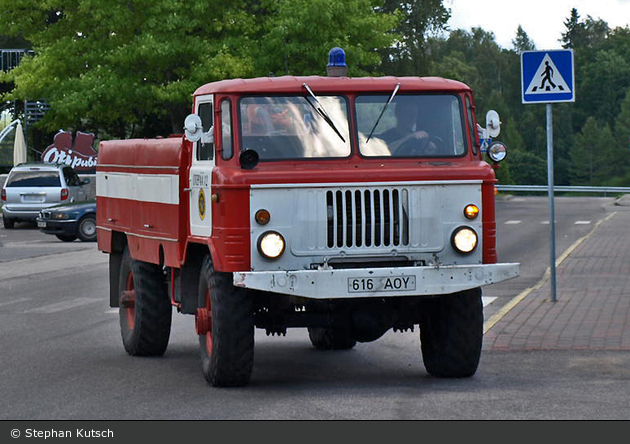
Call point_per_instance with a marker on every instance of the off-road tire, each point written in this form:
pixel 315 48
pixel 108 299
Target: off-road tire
pixel 145 328
pixel 227 351
pixel 8 223
pixel 451 334
pixel 66 237
pixel 330 338
pixel 86 230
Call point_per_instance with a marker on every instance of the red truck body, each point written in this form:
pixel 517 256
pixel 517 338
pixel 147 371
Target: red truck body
pixel 181 226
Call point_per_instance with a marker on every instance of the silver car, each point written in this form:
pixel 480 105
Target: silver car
pixel 31 187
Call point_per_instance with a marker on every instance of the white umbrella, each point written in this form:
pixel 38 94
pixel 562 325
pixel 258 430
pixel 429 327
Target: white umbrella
pixel 19 146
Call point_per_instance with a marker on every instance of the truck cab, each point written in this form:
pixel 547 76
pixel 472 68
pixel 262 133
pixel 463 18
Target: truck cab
pixel 347 206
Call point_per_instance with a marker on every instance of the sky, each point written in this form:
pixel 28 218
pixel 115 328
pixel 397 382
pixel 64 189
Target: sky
pixel 542 20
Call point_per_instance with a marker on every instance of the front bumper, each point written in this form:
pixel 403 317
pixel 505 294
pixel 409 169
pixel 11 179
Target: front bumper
pixel 68 227
pixel 376 282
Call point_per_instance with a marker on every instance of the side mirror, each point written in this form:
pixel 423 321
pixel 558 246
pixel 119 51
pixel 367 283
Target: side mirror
pixel 85 181
pixel 193 129
pixel 497 152
pixel 493 123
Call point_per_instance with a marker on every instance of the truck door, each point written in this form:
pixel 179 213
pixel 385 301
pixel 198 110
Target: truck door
pixel 201 171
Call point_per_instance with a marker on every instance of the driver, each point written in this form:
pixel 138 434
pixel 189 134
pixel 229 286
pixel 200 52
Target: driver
pixel 404 139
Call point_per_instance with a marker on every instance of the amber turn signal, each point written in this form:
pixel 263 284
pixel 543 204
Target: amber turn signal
pixel 471 211
pixel 263 217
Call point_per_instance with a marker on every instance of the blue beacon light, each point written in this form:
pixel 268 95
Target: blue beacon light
pixel 337 63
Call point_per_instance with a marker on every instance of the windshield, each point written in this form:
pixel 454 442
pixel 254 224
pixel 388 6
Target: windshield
pixel 410 126
pixel 290 127
pixel 34 179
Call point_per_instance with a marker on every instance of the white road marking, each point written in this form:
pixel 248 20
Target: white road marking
pixel 582 222
pixel 513 222
pixel 545 222
pixel 14 301
pixel 112 311
pixel 64 305
pixel 487 300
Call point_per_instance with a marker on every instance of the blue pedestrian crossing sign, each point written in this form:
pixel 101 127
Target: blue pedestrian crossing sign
pixel 547 76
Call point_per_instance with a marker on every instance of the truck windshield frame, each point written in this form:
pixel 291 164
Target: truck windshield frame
pixel 415 125
pixel 286 127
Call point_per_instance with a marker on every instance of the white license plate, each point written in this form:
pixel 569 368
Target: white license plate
pixel 33 198
pixel 381 284
pixel 41 224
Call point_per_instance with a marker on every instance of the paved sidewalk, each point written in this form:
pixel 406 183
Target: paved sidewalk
pixel 593 292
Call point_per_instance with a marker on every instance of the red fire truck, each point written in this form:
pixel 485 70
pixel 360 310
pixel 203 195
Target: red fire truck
pixel 349 206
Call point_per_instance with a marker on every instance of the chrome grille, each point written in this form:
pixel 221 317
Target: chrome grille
pixel 376 217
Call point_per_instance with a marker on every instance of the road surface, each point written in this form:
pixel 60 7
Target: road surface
pixel 62 357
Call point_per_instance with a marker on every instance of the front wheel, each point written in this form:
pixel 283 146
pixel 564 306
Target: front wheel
pixel 145 308
pixel 87 229
pixel 225 325
pixel 451 334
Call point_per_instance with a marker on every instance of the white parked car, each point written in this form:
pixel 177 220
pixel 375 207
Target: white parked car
pixel 32 187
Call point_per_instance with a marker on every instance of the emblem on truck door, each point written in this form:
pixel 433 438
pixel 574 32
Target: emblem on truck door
pixel 202 204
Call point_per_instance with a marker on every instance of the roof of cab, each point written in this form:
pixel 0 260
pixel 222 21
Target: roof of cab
pixel 293 85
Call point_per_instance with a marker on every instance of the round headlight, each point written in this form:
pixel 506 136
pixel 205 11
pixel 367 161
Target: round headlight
pixel 271 245
pixel 471 211
pixel 464 240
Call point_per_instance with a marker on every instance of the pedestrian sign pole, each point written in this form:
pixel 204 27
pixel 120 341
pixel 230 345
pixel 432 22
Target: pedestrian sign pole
pixel 548 77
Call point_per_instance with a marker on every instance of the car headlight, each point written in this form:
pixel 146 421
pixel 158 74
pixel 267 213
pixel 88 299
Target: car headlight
pixel 60 216
pixel 271 245
pixel 464 240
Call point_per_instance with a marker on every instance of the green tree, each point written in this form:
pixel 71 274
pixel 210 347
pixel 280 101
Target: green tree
pixel 419 19
pixel 129 67
pixel 295 36
pixel 522 42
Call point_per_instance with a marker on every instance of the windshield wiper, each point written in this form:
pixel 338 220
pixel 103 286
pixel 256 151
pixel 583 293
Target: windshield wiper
pixel 383 111
pixel 321 111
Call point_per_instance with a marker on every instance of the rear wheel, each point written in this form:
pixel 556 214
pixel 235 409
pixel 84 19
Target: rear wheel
pixel 66 237
pixel 87 229
pixel 451 334
pixel 8 223
pixel 225 325
pixel 330 338
pixel 145 308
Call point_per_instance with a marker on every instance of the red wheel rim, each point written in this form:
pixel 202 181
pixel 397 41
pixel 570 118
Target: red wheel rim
pixel 130 310
pixel 209 332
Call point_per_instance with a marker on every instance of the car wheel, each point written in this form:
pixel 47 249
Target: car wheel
pixel 66 237
pixel 451 334
pixel 225 325
pixel 87 229
pixel 8 223
pixel 145 307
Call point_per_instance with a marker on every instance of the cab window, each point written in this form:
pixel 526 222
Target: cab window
pixel 205 149
pixel 226 129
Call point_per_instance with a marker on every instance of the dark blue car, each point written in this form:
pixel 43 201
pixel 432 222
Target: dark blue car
pixel 70 221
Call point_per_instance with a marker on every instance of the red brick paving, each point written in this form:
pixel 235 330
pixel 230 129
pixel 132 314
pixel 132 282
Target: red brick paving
pixel 593 307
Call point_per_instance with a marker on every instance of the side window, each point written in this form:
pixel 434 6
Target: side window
pixel 471 125
pixel 72 179
pixel 226 129
pixel 205 147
